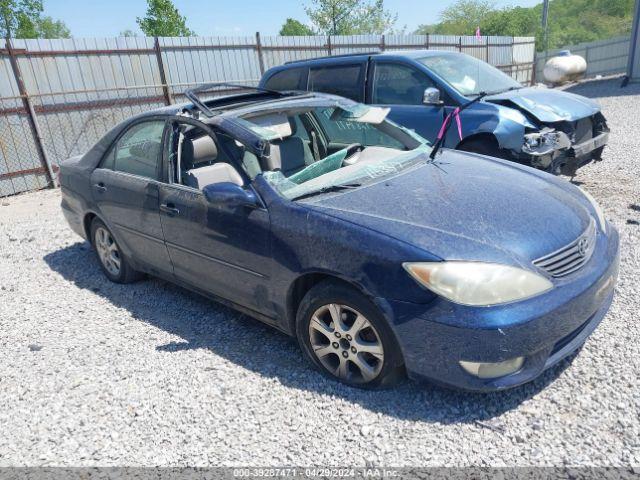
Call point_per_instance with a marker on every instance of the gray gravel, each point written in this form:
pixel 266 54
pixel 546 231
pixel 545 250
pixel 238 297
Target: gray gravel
pixel 93 373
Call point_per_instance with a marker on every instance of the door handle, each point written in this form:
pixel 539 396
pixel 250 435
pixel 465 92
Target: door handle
pixel 100 187
pixel 170 209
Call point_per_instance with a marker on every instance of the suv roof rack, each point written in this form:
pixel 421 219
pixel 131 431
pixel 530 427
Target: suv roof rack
pixel 194 92
pixel 332 56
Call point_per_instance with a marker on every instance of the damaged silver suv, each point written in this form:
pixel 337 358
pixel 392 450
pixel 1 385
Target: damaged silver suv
pixel 548 129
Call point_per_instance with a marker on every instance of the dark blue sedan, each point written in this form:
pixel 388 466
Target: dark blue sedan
pixel 317 215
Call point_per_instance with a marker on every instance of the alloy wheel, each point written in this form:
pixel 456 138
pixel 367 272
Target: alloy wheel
pixel 346 343
pixel 108 251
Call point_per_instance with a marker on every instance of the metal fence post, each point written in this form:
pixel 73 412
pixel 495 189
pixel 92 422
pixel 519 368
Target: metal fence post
pixel 259 50
pixel 329 44
pixel 513 59
pixel 163 77
pixel 31 116
pixel 533 70
pixel 382 43
pixel 428 41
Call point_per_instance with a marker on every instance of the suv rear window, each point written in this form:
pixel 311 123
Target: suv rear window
pixel 343 80
pixel 292 79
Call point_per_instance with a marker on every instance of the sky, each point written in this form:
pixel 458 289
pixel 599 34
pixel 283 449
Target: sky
pixel 107 18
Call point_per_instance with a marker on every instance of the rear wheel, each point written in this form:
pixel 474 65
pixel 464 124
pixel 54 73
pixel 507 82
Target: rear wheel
pixel 347 338
pixel 114 264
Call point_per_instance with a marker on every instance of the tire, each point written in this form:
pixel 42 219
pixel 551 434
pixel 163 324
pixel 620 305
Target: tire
pixel 113 263
pixel 363 355
pixel 487 147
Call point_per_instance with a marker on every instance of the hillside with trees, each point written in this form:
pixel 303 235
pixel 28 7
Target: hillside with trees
pixel 570 21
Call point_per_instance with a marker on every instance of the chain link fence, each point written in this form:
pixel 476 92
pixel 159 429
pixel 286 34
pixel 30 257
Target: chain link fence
pixel 20 166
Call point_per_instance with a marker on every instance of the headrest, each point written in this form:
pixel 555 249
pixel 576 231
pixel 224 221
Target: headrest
pixel 276 122
pixel 204 149
pixel 199 152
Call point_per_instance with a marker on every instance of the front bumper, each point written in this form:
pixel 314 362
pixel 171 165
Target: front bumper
pixel 544 329
pixel 566 158
pixel 586 148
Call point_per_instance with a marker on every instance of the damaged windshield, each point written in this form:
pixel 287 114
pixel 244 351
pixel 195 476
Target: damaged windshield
pixel 468 75
pixel 322 149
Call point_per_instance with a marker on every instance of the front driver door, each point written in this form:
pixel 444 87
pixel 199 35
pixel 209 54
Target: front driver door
pixel 401 87
pixel 125 190
pixel 222 251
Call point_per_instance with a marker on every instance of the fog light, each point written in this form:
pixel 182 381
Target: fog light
pixel 493 370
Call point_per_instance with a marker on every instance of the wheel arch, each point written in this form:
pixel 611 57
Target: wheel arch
pixel 86 224
pixel 480 136
pixel 305 282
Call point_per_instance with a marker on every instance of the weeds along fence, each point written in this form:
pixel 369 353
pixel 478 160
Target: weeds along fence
pixel 58 97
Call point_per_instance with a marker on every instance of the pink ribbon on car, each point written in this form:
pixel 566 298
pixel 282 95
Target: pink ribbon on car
pixel 454 114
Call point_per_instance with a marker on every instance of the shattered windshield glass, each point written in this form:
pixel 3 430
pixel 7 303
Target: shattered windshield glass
pixel 468 75
pixel 321 149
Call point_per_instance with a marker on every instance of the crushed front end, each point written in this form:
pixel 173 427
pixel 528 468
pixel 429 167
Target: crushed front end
pixel 563 147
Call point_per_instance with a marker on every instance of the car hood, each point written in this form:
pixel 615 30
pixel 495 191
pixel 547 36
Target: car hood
pixel 548 105
pixel 467 207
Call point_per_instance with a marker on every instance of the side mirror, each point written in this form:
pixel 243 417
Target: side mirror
pixel 227 195
pixel 431 96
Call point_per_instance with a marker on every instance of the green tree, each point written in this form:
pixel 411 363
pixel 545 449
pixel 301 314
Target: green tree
pixel 163 20
pixel 293 27
pixel 425 29
pixel 463 17
pixel 128 33
pixel 29 23
pixel 47 27
pixel 26 27
pixel 512 22
pixel 350 17
pixel 13 12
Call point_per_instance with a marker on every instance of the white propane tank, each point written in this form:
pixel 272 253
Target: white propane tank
pixel 564 68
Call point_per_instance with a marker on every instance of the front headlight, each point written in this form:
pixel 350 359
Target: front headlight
pixel 545 142
pixel 476 283
pixel 601 220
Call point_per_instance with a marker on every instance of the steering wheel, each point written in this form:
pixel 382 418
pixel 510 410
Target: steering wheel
pixel 352 149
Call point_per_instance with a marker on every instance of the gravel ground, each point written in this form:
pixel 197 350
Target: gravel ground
pixel 93 373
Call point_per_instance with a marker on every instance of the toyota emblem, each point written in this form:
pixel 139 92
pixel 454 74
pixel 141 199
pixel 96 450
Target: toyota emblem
pixel 583 245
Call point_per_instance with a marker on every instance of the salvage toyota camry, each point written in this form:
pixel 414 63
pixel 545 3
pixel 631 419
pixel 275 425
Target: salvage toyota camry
pixel 322 218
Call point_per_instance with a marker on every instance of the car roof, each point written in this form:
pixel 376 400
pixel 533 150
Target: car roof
pixel 246 103
pixel 364 56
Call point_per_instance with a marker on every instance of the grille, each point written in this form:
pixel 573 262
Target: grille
pixel 571 257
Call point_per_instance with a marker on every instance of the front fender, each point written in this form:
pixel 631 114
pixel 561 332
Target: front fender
pixel 505 124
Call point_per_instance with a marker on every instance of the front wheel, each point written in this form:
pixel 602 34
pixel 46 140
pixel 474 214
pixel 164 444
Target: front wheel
pixel 347 338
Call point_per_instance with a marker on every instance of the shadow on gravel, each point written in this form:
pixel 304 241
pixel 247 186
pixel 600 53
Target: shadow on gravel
pixel 204 324
pixel 607 87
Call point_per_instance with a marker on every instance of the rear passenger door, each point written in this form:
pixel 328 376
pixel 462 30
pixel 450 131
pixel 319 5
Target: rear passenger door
pixel 288 79
pixel 345 79
pixel 401 86
pixel 125 188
